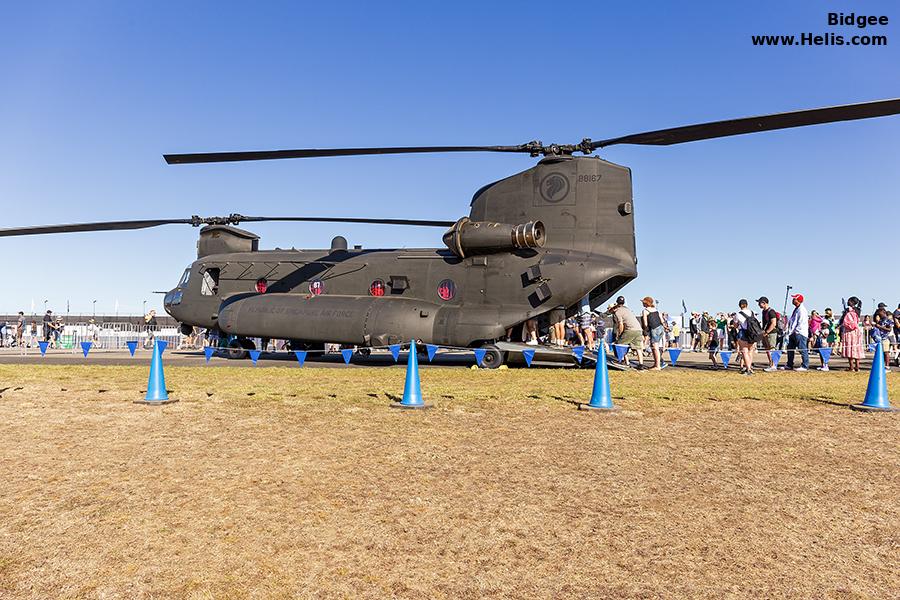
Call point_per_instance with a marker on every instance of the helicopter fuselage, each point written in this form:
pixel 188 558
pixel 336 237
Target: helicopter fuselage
pixel 441 296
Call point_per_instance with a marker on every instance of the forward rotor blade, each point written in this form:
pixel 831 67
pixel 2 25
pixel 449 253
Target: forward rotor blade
pixel 210 157
pixel 800 118
pixel 233 219
pixel 416 222
pixel 102 226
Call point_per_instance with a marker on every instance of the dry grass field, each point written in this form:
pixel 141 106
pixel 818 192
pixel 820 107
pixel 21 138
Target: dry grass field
pixel 288 482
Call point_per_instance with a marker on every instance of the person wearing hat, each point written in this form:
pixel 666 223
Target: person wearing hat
pixel 797 331
pixel 770 330
pixel 628 330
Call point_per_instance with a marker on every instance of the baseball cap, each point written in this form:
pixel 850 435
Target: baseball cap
pixel 762 299
pixel 797 297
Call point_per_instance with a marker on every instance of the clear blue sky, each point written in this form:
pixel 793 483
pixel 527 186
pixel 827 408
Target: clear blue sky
pixel 93 93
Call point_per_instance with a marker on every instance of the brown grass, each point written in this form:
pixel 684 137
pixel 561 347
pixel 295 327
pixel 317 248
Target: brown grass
pixel 705 485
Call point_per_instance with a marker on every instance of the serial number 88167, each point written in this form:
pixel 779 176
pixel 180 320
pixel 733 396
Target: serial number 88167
pixel 588 178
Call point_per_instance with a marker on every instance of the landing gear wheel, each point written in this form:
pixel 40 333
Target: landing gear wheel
pixel 493 358
pixel 235 351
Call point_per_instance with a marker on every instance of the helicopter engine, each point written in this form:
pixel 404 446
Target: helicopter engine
pixel 468 238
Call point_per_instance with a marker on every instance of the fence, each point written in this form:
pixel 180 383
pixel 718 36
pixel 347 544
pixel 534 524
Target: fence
pixel 105 336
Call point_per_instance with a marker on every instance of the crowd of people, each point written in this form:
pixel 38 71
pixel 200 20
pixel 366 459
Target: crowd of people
pixel 645 333
pixel 747 332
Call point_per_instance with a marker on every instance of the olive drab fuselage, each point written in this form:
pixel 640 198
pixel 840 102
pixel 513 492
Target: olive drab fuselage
pixel 459 296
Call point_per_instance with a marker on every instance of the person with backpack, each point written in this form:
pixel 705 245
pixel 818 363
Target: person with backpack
pixel 749 333
pixel 797 330
pixel 770 331
pixel 656 327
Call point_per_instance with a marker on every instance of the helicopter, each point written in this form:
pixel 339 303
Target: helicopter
pixel 536 241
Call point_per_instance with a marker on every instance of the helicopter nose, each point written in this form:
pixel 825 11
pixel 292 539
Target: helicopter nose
pixel 171 302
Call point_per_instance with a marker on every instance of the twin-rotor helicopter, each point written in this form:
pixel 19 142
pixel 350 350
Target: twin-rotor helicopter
pixel 535 241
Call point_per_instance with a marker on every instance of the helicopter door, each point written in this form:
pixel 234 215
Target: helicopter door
pixel 209 285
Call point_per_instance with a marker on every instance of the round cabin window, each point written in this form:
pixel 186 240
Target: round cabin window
pixel 446 289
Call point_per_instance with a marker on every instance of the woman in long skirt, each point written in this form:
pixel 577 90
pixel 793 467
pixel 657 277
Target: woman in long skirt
pixel 851 334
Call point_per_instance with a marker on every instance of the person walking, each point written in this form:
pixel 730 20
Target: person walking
pixel 20 330
pixel 851 334
pixel 747 330
pixel 796 332
pixel 713 345
pixel 770 330
pixel 694 330
pixel 150 325
pixel 655 325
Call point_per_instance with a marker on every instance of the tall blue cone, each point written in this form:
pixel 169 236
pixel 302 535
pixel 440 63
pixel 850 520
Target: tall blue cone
pixel 412 390
pixel 601 398
pixel 156 384
pixel 876 393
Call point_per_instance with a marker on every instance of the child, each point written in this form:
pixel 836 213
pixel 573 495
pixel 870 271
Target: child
pixel 821 341
pixel 713 345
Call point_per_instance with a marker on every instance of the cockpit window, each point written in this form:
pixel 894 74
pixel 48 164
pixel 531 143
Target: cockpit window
pixel 210 284
pixel 184 278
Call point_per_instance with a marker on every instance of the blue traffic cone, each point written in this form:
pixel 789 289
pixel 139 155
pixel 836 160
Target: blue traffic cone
pixel 876 393
pixel 601 399
pixel 412 390
pixel 156 383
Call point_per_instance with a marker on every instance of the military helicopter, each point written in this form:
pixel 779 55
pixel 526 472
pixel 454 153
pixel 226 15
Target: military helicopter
pixel 536 241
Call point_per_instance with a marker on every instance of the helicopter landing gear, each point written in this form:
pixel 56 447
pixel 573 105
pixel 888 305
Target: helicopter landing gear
pixel 493 358
pixel 238 347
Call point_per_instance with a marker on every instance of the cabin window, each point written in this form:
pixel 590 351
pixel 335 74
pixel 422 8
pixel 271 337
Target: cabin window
pixel 446 289
pixel 210 284
pixel 182 283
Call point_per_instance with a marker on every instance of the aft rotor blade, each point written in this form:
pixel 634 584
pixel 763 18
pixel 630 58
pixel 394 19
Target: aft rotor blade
pixel 716 129
pixel 211 157
pixel 102 226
